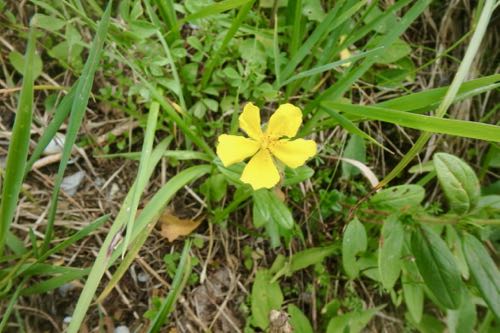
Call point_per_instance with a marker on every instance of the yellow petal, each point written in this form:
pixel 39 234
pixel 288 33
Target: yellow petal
pixel 285 121
pixel 261 172
pixel 293 153
pixel 233 149
pixel 250 121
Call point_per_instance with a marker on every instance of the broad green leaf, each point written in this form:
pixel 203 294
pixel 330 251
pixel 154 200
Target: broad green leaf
pixel 393 53
pixel 266 296
pixel 356 150
pixel 391 245
pixel 413 291
pixel 437 266
pixel 278 212
pixel 484 271
pixel 303 259
pixel 297 175
pixel 46 22
pixel 353 242
pixel 353 321
pixel 399 197
pixel 464 318
pixel 298 320
pixel 459 182
pixel 17 61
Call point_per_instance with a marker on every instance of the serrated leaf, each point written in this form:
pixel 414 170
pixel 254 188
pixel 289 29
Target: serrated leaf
pixel 484 271
pixel 437 266
pixel 391 245
pixel 266 296
pixel 353 242
pixel 459 182
pixel 399 197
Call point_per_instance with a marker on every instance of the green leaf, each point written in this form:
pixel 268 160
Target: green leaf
pixel 297 175
pixel 17 61
pixel 464 318
pixel 484 271
pixel 398 197
pixel 46 22
pixel 353 242
pixel 312 256
pixel 298 320
pixel 437 266
pixel 393 53
pixel 391 245
pixel 80 101
pixel 413 291
pixel 18 146
pixel 356 150
pixel 353 321
pixel 273 207
pixel 266 296
pixel 459 182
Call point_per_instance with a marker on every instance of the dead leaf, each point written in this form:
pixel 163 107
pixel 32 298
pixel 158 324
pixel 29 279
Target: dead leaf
pixel 173 227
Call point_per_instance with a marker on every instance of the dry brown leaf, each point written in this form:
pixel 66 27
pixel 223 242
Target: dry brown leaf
pixel 173 227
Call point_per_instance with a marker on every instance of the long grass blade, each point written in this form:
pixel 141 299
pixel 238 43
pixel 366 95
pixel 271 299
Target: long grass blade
pixel 19 144
pixel 142 176
pixel 215 9
pixel 468 129
pixel 340 87
pixel 78 107
pixel 61 113
pixel 330 22
pixel 488 8
pixel 180 280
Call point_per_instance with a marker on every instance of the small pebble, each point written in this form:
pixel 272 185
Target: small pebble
pixel 143 277
pixel 122 329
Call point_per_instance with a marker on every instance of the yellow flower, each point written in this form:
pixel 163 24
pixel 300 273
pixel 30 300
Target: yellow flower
pixel 261 170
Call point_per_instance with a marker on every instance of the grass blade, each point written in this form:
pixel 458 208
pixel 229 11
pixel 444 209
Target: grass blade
pixel 61 113
pixel 468 129
pixel 215 59
pixel 181 276
pixel 327 67
pixel 488 8
pixel 19 144
pixel 349 125
pixel 215 9
pixel 142 177
pixel 80 101
pixel 341 86
pixel 330 22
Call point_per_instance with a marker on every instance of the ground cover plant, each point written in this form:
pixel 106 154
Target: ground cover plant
pixel 249 166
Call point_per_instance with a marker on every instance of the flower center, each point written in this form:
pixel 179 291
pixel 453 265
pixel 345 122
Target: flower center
pixel 267 141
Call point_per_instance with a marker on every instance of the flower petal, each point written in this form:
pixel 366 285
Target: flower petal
pixel 233 149
pixel 293 153
pixel 285 121
pixel 260 171
pixel 250 121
